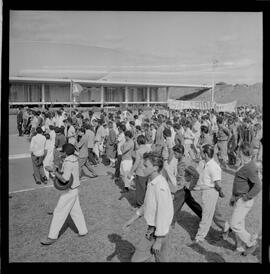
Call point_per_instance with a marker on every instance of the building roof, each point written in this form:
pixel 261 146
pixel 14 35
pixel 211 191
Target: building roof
pixel 17 79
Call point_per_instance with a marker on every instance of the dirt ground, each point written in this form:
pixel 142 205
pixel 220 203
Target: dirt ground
pixel 105 215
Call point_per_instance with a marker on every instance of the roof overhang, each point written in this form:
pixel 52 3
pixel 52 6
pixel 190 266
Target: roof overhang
pixel 16 79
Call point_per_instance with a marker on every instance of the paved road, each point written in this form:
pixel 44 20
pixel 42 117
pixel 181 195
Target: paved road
pixel 20 166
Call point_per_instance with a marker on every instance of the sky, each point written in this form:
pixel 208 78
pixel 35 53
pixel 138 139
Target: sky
pixel 189 47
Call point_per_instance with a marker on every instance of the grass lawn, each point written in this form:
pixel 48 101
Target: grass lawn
pixel 105 215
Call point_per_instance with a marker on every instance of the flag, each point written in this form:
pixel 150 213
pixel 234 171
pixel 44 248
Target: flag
pixel 76 89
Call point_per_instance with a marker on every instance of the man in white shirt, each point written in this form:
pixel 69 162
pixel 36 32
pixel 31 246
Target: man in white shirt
pixel 90 136
pixel 157 211
pixel 120 141
pixel 209 184
pixel 37 147
pixel 70 132
pixel 138 122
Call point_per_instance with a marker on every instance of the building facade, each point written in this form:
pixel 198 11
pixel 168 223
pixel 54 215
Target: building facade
pixel 43 91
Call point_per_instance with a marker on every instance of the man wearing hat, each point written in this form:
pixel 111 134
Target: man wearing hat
pixel 68 202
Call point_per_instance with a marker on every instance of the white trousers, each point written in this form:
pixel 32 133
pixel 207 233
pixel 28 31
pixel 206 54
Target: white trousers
pixel 209 201
pixel 48 161
pixel 240 211
pixel 67 203
pixel 125 168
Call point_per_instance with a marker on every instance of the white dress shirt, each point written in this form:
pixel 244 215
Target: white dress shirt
pixel 37 145
pixel 158 206
pixel 71 132
pixel 121 140
pixel 209 172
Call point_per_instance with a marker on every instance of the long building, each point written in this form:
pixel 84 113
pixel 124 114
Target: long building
pixel 46 91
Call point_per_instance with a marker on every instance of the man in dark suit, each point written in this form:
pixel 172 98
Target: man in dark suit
pixel 20 121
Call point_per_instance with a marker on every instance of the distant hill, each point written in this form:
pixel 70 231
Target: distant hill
pixel 224 93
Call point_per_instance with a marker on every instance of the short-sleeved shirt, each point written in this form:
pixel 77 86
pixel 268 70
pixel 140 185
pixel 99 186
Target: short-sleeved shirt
pixel 127 149
pixel 71 131
pixel 71 166
pixel 209 173
pixel 121 140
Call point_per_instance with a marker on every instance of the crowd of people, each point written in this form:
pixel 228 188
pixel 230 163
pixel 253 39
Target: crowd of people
pixel 162 156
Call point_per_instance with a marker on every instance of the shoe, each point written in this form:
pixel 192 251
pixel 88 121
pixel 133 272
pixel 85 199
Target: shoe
pixel 50 212
pixel 45 182
pixel 82 235
pixel 38 183
pixel 48 241
pixel 250 250
pixel 239 250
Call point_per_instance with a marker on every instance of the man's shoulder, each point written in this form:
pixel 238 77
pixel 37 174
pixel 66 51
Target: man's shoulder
pixel 213 165
pixel 161 183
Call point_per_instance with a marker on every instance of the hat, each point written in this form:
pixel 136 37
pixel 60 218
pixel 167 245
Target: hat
pixel 60 185
pixel 68 148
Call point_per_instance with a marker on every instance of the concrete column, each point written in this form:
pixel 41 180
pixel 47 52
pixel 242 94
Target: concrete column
pixel 43 95
pixel 126 94
pixel 148 96
pixel 102 95
pixel 167 94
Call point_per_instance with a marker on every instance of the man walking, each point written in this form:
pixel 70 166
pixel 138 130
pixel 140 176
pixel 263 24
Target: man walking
pixel 37 147
pixel 209 185
pixel 157 211
pixel 246 187
pixel 183 193
pixel 68 202
pixel 82 146
pixel 20 121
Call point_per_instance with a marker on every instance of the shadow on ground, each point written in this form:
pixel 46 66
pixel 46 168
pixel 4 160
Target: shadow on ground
pixel 129 196
pixel 123 248
pixel 68 224
pixel 211 257
pixel 190 223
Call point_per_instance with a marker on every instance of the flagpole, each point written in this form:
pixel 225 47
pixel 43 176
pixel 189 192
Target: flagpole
pixel 70 95
pixel 213 81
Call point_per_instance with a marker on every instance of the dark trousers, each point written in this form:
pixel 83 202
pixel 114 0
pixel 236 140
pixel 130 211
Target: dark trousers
pixel 92 156
pixel 38 168
pixel 19 127
pixel 141 184
pixel 117 166
pixel 184 196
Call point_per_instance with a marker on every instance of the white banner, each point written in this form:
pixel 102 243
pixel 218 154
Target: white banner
pixel 204 105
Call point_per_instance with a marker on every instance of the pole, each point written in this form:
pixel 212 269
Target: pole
pixel 213 82
pixel 70 95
